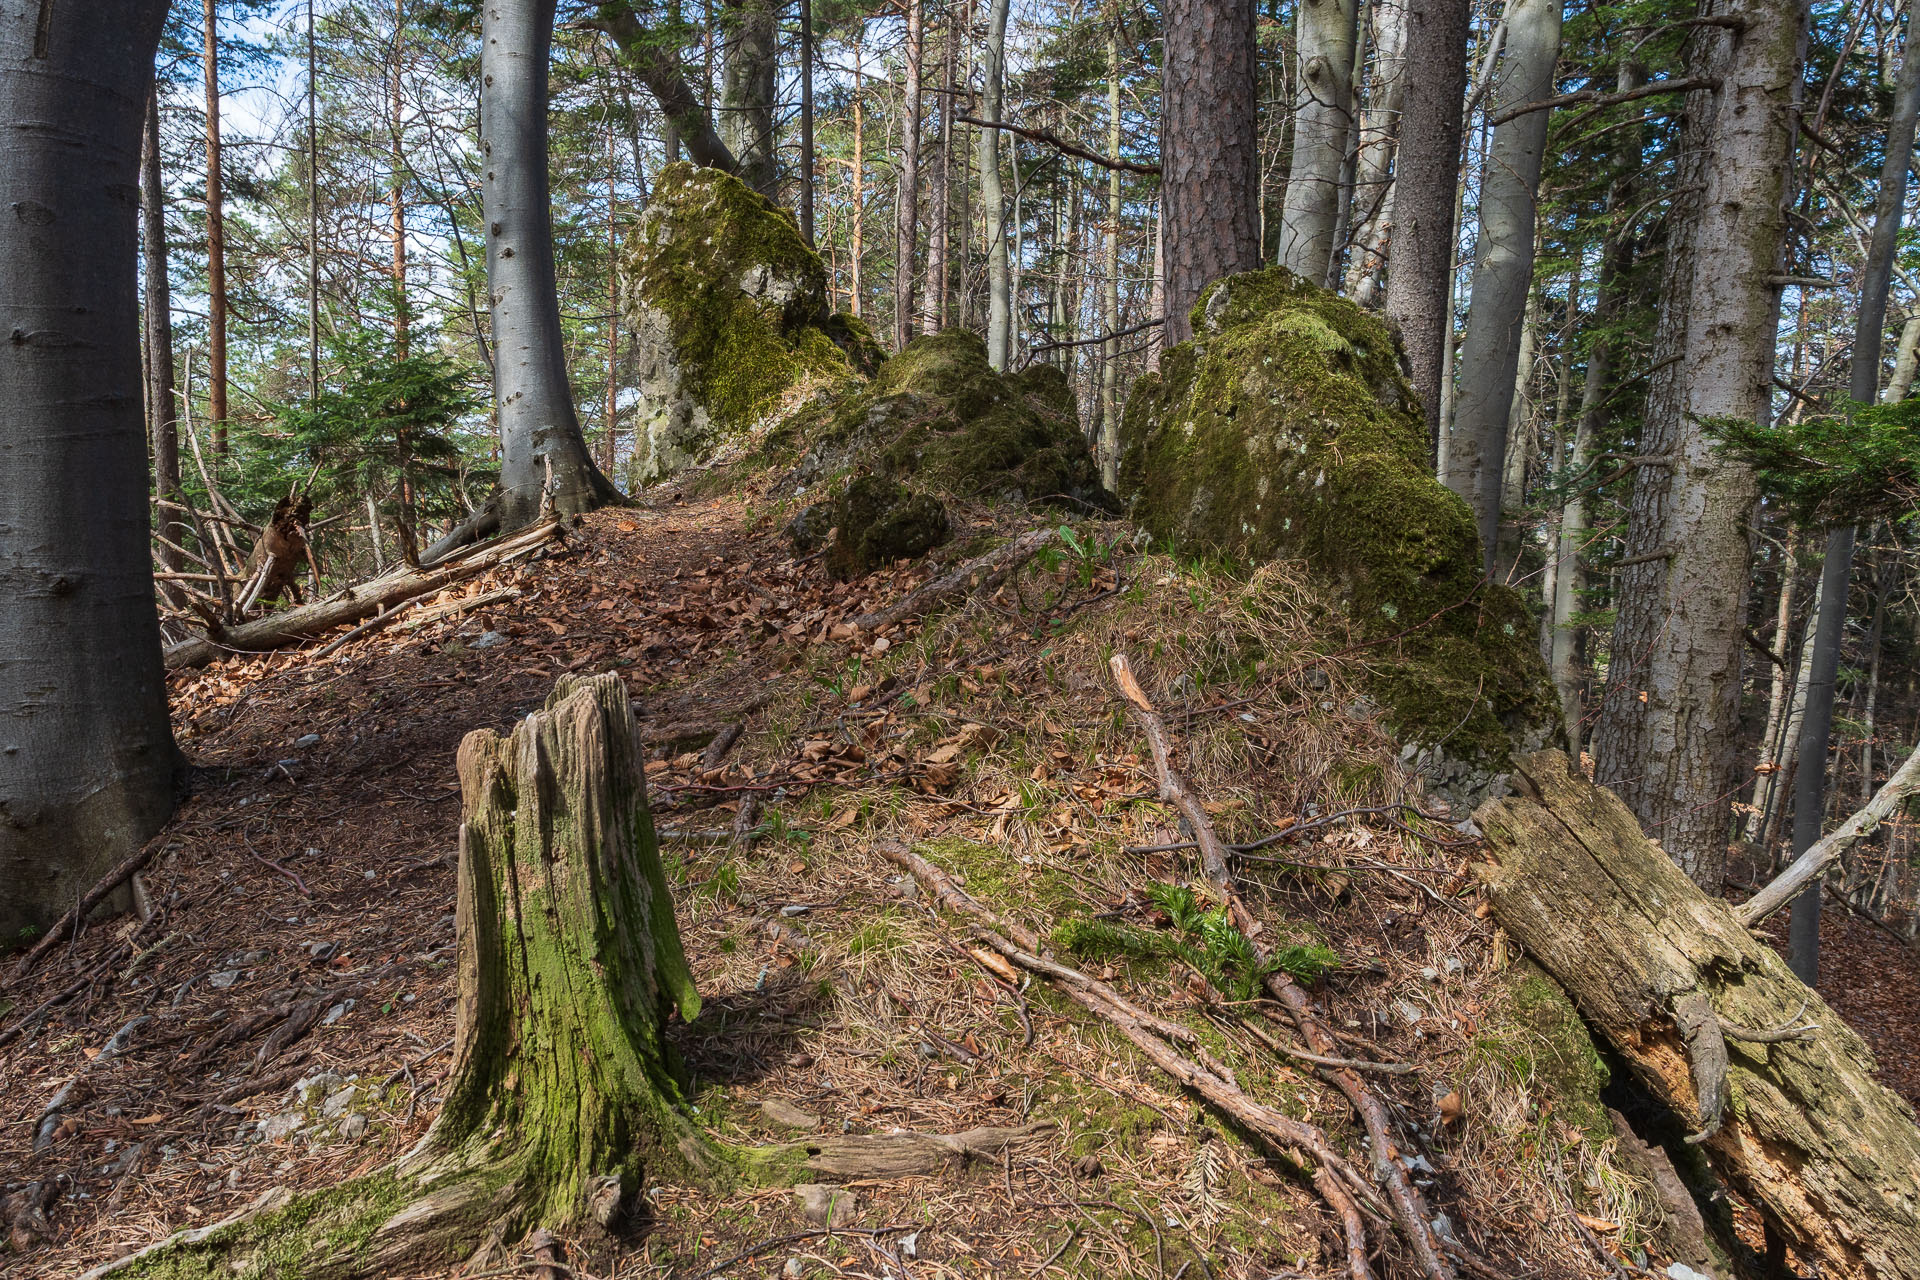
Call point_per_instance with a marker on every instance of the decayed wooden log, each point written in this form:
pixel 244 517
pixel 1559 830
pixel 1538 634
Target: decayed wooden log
pixel 1781 1092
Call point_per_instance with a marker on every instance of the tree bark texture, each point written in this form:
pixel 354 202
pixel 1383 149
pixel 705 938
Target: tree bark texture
pixel 658 67
pixel 87 759
pixel 906 219
pixel 993 197
pixel 1322 124
pixel 1667 730
pixel 540 439
pixel 163 433
pixel 1502 269
pixel 1378 128
pixel 1869 336
pixel 1425 181
pixel 216 238
pixel 1711 1021
pixel 1209 151
pixel 747 91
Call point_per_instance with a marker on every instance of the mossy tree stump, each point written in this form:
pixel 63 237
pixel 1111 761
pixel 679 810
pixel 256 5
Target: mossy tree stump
pixel 563 1092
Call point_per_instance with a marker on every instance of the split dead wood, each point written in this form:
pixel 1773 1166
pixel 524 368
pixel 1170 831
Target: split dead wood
pixel 992 569
pixel 1410 1213
pixel 1334 1177
pixel 899 1155
pixel 360 602
pixel 1673 980
pixel 405 609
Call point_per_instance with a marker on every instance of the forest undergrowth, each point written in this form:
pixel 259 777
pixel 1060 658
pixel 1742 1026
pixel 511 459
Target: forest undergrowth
pixel 279 1010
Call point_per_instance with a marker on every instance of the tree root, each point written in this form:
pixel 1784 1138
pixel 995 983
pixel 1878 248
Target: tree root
pixel 1409 1208
pixel 993 568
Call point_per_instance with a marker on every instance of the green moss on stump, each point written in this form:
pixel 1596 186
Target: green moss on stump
pixel 729 308
pixel 1287 430
pixel 938 415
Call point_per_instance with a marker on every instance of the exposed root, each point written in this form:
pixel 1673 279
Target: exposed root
pixel 993 568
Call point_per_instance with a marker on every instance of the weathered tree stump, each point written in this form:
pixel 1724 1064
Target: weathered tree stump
pixel 1779 1091
pixel 562 1092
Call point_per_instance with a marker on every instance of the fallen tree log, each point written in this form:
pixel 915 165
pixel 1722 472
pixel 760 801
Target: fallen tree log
pixel 1780 1092
pixel 278 630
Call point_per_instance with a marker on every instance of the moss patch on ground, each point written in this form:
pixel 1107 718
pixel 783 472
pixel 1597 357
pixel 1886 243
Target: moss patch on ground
pixel 1287 430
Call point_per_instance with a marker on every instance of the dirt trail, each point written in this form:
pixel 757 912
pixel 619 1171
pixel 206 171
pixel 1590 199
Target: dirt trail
pixel 304 924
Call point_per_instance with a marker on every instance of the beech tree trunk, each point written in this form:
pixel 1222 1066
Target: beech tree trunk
pixel 87 761
pixel 1667 731
pixel 1710 1021
pixel 747 91
pixel 1322 123
pixel 1502 269
pixel 540 438
pixel 1426 179
pixel 1209 151
pixel 1378 126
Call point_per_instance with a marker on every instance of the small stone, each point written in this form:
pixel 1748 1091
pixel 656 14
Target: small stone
pixel 353 1128
pixel 794 1269
pixel 1407 1011
pixel 338 1012
pixel 488 640
pixel 1430 973
pixel 282 1124
pixel 339 1101
pixel 782 1112
pixel 306 740
pixel 1088 1166
pixel 910 1245
pixel 224 979
pixel 826 1206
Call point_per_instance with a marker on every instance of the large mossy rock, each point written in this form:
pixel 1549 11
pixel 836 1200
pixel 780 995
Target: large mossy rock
pixel 730 316
pixel 1287 430
pixel 939 416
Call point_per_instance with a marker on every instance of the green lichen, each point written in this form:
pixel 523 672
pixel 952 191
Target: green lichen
pixel 730 308
pixel 1286 430
pixel 938 414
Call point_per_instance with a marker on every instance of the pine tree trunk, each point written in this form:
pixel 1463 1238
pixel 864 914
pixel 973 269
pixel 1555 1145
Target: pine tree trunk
pixel 1502 269
pixel 540 439
pixel 1426 178
pixel 1668 726
pixel 89 764
pixel 397 185
pixel 1321 126
pixel 747 91
pixel 807 176
pixel 216 240
pixel 906 216
pixel 1209 151
pixel 993 198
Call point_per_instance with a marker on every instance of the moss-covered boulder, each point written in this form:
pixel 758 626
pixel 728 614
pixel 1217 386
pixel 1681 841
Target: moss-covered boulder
pixel 939 415
pixel 730 316
pixel 1287 430
pixel 876 521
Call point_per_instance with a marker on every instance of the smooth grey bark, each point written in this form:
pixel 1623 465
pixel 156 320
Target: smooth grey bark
pixel 992 192
pixel 1322 123
pixel 1869 335
pixel 1906 360
pixel 1502 269
pixel 1378 126
pixel 87 758
pixel 747 91
pixel 1766 778
pixel 1107 445
pixel 163 435
pixel 1209 151
pixel 806 122
pixel 540 438
pixel 1426 180
pixel 1667 731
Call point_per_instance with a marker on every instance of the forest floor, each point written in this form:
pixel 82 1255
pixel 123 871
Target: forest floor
pixel 283 1016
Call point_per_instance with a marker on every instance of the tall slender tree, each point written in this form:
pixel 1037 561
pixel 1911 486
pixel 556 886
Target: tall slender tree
pixel 1322 125
pixel 906 223
pixel 216 235
pixel 1426 182
pixel 1502 267
pixel 163 434
pixel 1665 738
pixel 1869 337
pixel 992 196
pixel 749 73
pixel 87 760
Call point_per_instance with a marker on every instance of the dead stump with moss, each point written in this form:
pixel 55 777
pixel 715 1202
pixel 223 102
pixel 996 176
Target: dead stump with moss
pixel 563 1094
